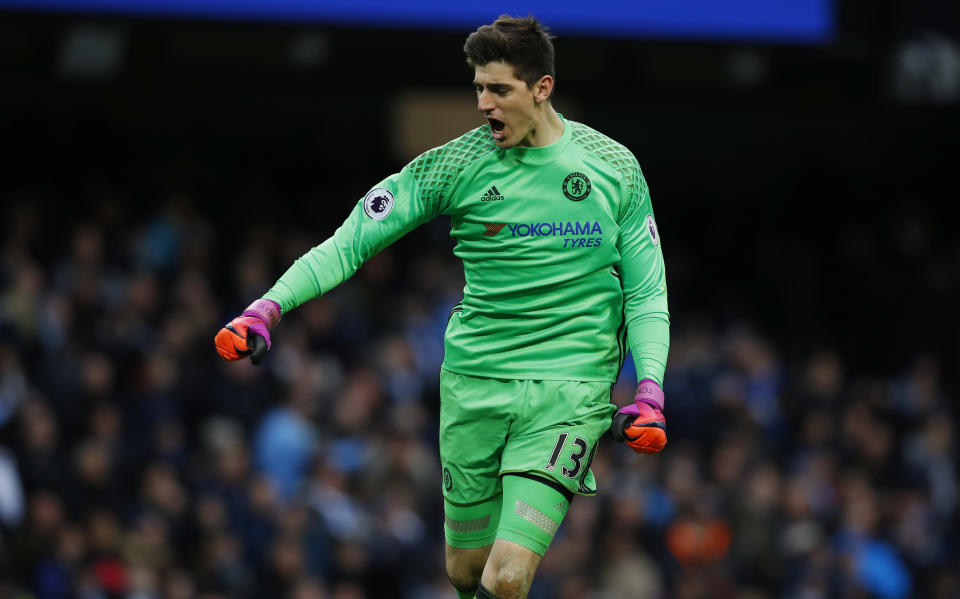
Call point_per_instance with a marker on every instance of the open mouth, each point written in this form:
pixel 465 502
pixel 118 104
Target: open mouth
pixel 496 127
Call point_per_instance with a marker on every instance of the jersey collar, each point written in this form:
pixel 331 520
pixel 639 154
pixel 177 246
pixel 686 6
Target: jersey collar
pixel 545 154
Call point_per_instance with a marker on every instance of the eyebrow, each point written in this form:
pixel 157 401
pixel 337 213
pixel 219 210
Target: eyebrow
pixel 494 85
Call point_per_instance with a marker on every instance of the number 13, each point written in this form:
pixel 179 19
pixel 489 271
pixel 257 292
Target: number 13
pixel 576 456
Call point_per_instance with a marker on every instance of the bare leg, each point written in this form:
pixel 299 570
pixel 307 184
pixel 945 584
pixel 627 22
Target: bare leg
pixel 464 567
pixel 509 570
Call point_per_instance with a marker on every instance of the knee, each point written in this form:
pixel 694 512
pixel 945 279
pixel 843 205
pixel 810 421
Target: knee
pixel 510 580
pixel 464 567
pixel 463 581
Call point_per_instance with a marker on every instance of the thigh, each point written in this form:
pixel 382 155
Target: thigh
pixel 475 415
pixel 557 433
pixel 472 526
pixel 532 511
pixel 466 564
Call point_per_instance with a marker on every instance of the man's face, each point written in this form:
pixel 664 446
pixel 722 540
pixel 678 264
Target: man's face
pixel 506 102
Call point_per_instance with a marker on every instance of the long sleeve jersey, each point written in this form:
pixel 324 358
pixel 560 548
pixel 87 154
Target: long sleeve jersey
pixel 560 249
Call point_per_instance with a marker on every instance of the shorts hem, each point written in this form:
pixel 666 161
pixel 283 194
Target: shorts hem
pixel 577 491
pixel 525 376
pixel 471 503
pixel 472 543
pixel 522 539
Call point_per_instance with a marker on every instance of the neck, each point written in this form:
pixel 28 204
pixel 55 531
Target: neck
pixel 548 128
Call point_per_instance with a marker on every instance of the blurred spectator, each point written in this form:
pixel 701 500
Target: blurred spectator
pixel 284 443
pixel 11 491
pixel 138 465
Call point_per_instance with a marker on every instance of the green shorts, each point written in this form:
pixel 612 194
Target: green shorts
pixel 491 427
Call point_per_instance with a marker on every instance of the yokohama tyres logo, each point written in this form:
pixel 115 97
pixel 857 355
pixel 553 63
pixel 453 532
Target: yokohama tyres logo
pixel 573 234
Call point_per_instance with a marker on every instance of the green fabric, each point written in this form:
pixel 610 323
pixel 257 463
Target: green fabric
pixel 531 513
pixel 472 526
pixel 491 427
pixel 561 256
pixel 465 594
pixel 527 512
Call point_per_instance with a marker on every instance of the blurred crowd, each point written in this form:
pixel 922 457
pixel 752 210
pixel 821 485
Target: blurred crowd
pixel 135 464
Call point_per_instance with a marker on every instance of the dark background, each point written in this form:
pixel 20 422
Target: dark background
pixel 804 194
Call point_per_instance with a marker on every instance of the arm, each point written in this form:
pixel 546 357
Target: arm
pixel 394 207
pixel 641 424
pixel 644 285
pixel 389 211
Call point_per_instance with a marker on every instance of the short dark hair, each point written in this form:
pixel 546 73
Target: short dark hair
pixel 521 42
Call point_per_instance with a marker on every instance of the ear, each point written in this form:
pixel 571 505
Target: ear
pixel 542 89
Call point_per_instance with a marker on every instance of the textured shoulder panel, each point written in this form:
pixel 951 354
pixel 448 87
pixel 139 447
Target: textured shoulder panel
pixel 435 170
pixel 617 156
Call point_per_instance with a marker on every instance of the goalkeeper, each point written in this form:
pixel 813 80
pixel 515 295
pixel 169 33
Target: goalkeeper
pixel 564 273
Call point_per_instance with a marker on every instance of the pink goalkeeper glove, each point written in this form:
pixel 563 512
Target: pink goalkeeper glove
pixel 249 333
pixel 641 424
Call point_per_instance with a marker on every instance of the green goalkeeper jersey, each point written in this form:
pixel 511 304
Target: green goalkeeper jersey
pixel 560 251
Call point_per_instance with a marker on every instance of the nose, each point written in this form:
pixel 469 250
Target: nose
pixel 485 101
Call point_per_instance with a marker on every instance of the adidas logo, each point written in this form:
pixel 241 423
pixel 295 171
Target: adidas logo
pixel 492 195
